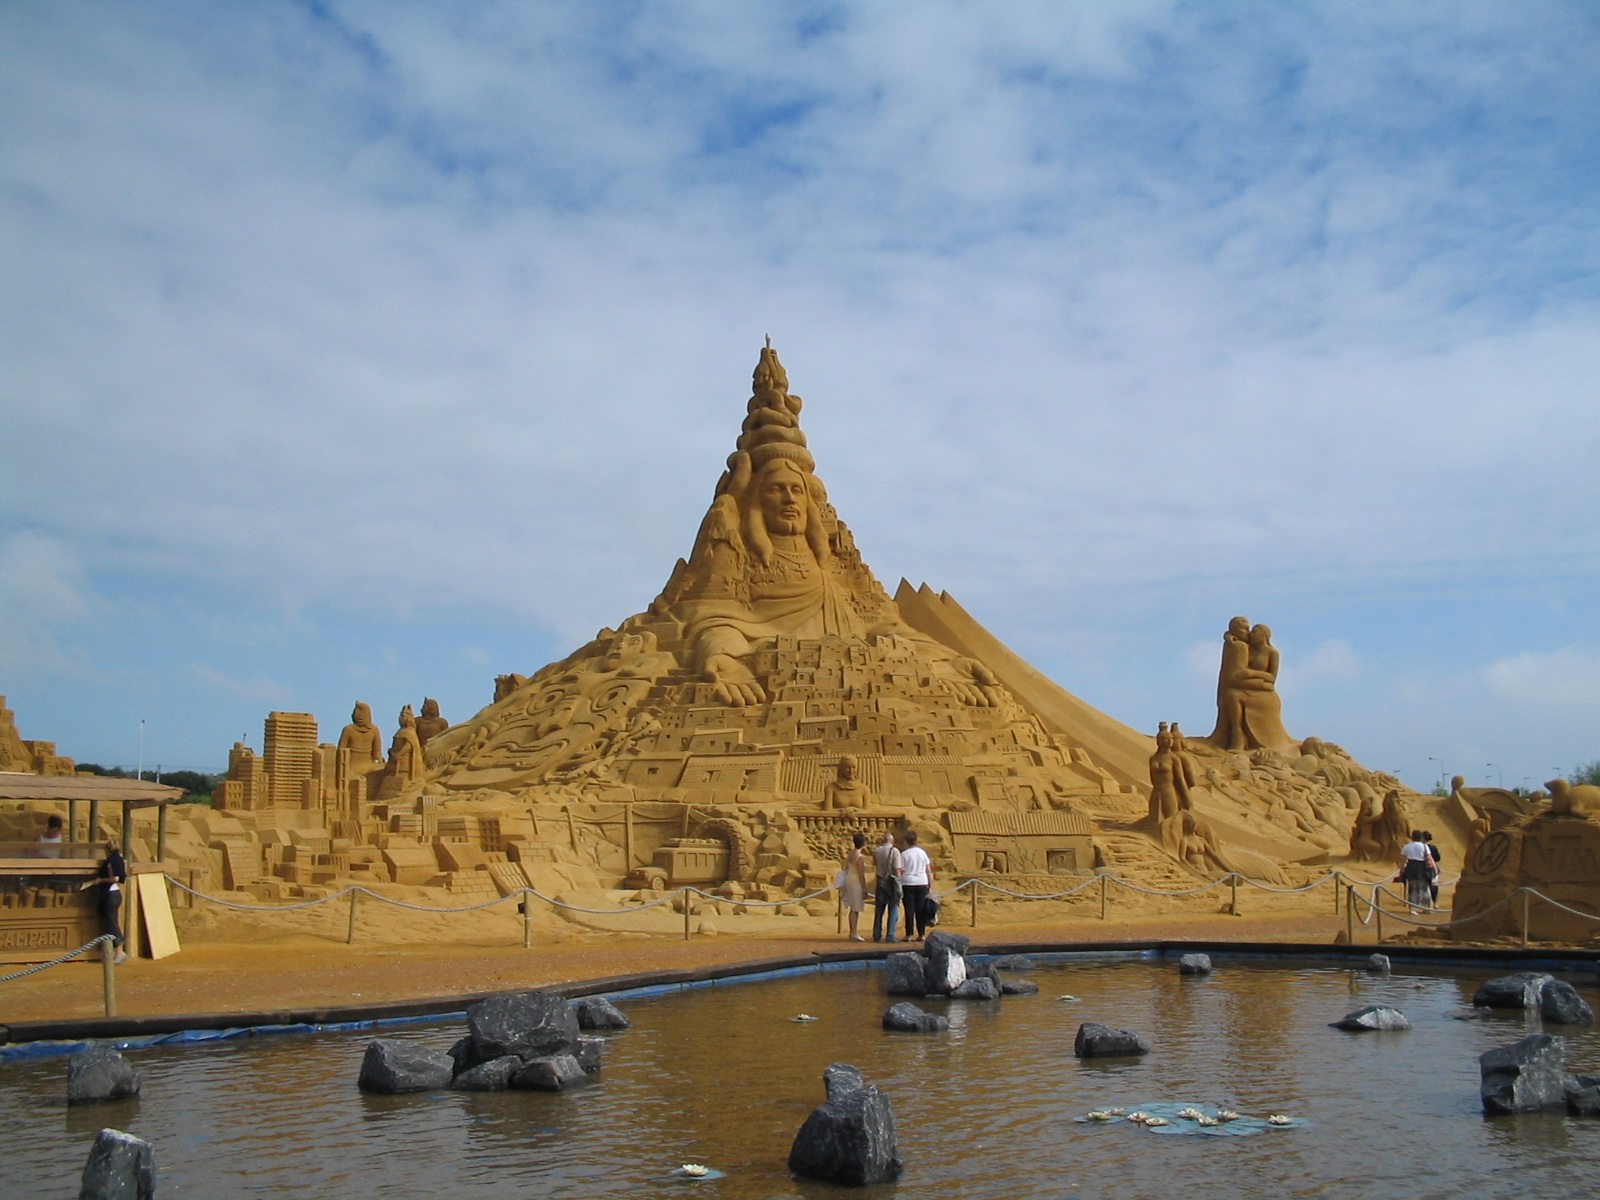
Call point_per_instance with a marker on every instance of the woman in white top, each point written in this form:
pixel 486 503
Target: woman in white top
pixel 853 889
pixel 1416 871
pixel 916 877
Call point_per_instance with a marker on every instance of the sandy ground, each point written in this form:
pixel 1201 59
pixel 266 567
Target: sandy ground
pixel 242 963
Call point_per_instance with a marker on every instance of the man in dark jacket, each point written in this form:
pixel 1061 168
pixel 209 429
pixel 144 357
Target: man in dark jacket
pixel 113 874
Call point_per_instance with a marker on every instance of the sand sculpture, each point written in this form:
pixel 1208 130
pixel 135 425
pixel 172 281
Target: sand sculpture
pixel 27 757
pixel 772 701
pixel 1555 850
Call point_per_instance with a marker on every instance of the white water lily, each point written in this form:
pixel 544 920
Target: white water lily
pixel 1279 1119
pixel 695 1169
pixel 804 1017
pixel 1227 1114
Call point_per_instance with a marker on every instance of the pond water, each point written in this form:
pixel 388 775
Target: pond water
pixel 724 1076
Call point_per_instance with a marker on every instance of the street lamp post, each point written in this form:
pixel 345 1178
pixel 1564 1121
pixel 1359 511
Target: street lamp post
pixel 138 772
pixel 1501 775
pixel 1432 759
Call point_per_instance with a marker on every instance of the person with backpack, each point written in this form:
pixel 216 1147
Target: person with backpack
pixel 108 884
pixel 916 878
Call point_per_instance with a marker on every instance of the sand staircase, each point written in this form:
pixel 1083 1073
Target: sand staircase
pixel 1136 858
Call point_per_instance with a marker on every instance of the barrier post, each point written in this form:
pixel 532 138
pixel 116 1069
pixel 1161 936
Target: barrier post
pixel 686 907
pixel 1337 880
pixel 350 935
pixel 1350 915
pixel 838 912
pixel 1377 908
pixel 973 884
pixel 1102 896
pixel 1524 918
pixel 527 919
pixel 1233 891
pixel 108 972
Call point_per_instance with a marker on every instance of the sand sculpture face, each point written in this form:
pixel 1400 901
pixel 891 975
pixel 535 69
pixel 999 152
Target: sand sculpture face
pixel 430 707
pixel 783 498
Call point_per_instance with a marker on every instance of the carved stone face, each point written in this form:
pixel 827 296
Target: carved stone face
pixel 430 707
pixel 847 769
pixel 783 501
pixel 361 717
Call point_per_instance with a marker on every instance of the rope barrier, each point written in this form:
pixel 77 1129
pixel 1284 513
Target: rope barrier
pixel 56 962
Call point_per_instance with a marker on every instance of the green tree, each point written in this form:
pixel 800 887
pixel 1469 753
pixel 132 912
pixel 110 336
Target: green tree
pixel 1588 772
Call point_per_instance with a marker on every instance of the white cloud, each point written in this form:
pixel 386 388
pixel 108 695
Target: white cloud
pixel 262 691
pixel 1330 662
pixel 44 592
pixel 1564 678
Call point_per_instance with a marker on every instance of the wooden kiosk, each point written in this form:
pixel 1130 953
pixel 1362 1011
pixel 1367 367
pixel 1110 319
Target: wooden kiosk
pixel 47 901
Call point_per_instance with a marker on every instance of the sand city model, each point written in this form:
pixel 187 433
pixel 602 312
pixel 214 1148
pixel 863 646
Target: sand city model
pixel 772 702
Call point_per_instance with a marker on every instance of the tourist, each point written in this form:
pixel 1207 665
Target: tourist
pixel 916 877
pixel 113 874
pixel 1416 871
pixel 49 842
pixel 886 891
pixel 1433 882
pixel 853 885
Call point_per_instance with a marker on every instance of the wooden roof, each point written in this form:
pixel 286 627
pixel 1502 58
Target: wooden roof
pixel 61 788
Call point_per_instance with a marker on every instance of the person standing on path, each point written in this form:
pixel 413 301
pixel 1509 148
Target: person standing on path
pixel 853 889
pixel 1416 872
pixel 916 877
pixel 886 892
pixel 1433 881
pixel 113 874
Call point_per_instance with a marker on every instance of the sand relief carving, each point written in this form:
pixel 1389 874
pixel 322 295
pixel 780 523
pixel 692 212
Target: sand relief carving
pixel 846 790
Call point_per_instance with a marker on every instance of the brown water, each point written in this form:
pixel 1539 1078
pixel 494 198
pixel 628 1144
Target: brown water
pixel 723 1076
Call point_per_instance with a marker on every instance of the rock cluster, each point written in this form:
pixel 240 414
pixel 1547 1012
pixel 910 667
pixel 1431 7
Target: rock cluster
pixel 849 1139
pixel 1374 1016
pixel 1102 1041
pixel 1558 1001
pixel 530 1040
pixel 944 969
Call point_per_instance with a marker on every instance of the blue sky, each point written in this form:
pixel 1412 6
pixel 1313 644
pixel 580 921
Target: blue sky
pixel 361 350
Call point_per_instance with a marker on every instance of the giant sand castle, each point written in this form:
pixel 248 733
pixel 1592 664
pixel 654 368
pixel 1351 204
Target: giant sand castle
pixel 772 701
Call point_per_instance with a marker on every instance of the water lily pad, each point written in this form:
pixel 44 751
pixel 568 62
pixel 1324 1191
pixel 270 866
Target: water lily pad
pixel 1169 1111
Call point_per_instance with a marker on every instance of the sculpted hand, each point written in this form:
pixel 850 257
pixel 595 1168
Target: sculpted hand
pixel 735 685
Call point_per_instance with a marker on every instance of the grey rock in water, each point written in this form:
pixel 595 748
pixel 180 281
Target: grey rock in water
pixel 977 989
pixel 1524 1077
pixel 906 1017
pixel 906 974
pixel 1560 1004
pixel 556 1073
pixel 1194 964
pixel 596 1012
pixel 1101 1041
pixel 391 1066
pixel 850 1141
pixel 528 1024
pixel 1378 964
pixel 100 1073
pixel 1374 1016
pixel 1018 987
pixel 1013 962
pixel 840 1079
pixel 1583 1095
pixel 588 1053
pixel 1512 991
pixel 492 1076
pixel 947 969
pixel 982 968
pixel 956 943
pixel 120 1167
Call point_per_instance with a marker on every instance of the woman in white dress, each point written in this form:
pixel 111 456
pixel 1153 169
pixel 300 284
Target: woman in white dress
pixel 853 888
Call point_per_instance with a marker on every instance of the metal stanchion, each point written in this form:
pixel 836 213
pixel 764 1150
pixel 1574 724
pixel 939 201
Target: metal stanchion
pixel 108 972
pixel 1377 906
pixel 1337 880
pixel 686 907
pixel 974 886
pixel 1524 892
pixel 1350 915
pixel 1102 896
pixel 527 919
pixel 350 935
